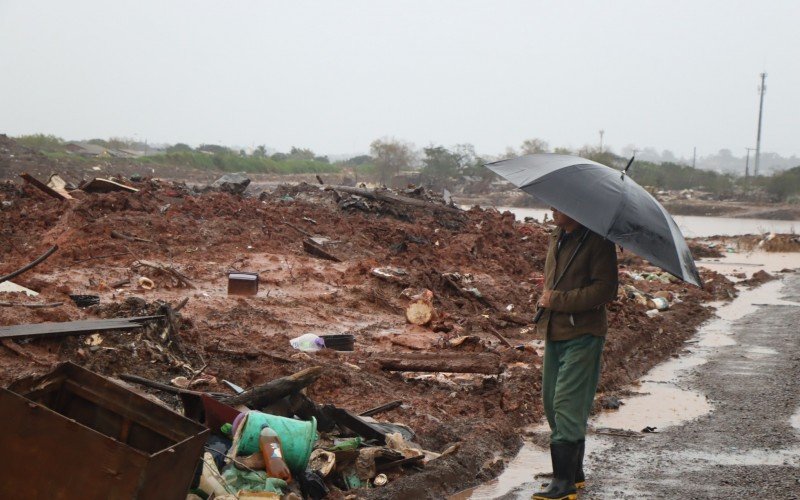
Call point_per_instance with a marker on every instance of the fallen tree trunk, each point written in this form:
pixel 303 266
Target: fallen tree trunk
pixel 261 396
pixel 488 364
pixel 389 197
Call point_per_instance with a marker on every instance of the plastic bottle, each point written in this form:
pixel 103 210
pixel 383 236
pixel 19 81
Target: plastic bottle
pixel 308 342
pixel 270 445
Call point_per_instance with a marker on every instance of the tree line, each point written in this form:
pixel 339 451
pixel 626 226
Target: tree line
pixel 394 162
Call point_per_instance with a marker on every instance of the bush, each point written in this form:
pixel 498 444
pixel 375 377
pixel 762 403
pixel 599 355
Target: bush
pixel 41 142
pixel 231 162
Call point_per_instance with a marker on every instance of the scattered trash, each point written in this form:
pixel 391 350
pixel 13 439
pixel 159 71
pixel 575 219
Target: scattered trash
pixel 393 274
pixel 240 283
pixel 322 462
pixel 85 300
pixel 341 342
pixel 308 342
pixel 297 437
pixel 10 286
pixel 380 480
pixel 145 283
pixel 610 402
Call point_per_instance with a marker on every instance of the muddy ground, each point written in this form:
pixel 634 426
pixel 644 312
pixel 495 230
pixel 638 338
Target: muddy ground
pixel 748 446
pixel 246 339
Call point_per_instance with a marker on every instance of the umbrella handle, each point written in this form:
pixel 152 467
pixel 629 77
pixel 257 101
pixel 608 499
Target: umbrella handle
pixel 538 315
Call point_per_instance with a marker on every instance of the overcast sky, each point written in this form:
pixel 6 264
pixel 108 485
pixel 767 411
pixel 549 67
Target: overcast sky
pixel 334 75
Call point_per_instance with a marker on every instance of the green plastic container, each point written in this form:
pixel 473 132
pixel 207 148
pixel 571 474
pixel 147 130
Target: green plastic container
pixel 297 437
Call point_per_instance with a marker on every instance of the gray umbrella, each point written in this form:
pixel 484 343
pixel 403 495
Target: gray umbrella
pixel 606 201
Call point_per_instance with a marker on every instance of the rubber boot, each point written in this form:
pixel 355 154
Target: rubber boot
pixel 565 462
pixel 580 478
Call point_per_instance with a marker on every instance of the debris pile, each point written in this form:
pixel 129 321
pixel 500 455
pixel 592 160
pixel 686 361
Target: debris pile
pixel 413 300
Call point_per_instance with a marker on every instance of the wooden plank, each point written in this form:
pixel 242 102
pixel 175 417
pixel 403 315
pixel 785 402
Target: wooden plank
pixel 344 418
pixel 72 327
pixel 99 185
pixel 42 186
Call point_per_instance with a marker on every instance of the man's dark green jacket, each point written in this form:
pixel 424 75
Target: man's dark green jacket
pixel 577 304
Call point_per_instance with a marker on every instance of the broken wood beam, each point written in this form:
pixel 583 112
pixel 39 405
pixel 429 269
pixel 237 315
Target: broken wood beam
pixel 123 236
pixel 272 391
pixel 43 187
pixel 502 339
pixel 30 266
pixel 345 419
pixel 388 196
pixel 317 251
pixel 35 305
pixel 488 364
pixel 381 409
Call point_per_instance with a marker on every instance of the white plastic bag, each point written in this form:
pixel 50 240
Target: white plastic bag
pixel 308 342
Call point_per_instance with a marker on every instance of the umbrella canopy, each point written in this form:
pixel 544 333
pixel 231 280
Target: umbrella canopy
pixel 607 202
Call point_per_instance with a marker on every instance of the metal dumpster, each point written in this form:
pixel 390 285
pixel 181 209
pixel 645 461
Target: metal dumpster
pixel 75 434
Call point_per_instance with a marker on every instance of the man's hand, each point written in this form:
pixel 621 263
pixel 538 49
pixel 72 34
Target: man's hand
pixel 544 300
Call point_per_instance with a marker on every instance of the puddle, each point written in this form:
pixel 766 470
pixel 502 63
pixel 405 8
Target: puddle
pixel 662 403
pixel 795 420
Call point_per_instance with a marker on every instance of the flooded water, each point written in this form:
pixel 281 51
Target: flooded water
pixel 694 225
pixel 661 399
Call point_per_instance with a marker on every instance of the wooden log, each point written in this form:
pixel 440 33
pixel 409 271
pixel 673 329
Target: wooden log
pixel 30 266
pixel 419 312
pixel 485 363
pixel 387 196
pixel 261 396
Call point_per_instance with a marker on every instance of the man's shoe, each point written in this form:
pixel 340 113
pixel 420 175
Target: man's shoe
pixel 565 462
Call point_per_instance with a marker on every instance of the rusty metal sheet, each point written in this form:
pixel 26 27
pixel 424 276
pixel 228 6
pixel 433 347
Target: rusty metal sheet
pixel 80 435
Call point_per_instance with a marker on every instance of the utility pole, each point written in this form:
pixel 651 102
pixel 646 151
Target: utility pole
pixel 694 156
pixel 601 139
pixel 762 89
pixel 747 163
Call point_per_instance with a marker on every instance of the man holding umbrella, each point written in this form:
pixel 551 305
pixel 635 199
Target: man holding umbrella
pixel 595 206
pixel 574 326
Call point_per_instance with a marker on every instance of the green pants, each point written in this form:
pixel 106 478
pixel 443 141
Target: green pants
pixel 569 380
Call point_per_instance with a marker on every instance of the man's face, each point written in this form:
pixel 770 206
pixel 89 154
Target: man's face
pixel 561 220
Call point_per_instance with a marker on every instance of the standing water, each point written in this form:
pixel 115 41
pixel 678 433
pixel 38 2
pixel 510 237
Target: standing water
pixel 692 226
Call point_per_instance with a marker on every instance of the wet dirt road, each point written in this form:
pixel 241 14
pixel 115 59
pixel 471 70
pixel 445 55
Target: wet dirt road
pixel 747 446
pixel 733 432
